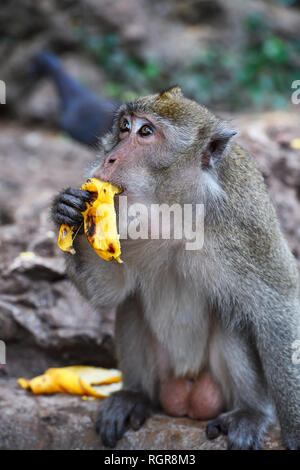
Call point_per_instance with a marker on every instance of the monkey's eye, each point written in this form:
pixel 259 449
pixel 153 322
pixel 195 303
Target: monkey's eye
pixel 125 126
pixel 145 130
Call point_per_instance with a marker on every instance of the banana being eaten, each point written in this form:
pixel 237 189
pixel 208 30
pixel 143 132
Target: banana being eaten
pixel 100 225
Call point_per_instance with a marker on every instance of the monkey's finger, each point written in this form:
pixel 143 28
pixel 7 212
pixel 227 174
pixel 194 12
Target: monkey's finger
pixel 112 430
pixel 98 424
pixel 216 427
pixel 78 193
pixel 212 431
pixel 68 211
pixel 111 425
pixel 138 416
pixel 108 433
pixel 121 426
pixel 64 219
pixel 73 201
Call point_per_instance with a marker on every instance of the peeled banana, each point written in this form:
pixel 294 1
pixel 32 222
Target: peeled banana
pixel 76 380
pixel 100 224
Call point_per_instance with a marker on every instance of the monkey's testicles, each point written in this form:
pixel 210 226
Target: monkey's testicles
pixel 100 224
pixel 200 399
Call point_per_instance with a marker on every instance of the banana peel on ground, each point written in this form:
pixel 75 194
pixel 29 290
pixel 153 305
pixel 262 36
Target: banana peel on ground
pixel 100 224
pixel 88 381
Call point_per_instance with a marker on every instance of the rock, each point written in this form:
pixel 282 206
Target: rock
pixel 36 267
pixel 62 422
pixel 53 319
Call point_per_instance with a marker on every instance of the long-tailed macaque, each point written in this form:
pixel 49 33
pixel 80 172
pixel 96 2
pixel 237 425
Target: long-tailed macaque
pixel 206 333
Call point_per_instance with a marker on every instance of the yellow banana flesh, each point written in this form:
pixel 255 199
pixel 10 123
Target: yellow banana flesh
pixel 76 380
pixel 100 224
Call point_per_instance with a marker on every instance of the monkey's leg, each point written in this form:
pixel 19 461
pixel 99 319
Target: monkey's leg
pixel 236 366
pixel 130 407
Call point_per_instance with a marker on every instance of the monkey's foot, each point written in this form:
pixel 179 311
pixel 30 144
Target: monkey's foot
pixel 244 428
pixel 122 410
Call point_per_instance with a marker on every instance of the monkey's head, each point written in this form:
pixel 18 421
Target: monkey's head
pixel 163 148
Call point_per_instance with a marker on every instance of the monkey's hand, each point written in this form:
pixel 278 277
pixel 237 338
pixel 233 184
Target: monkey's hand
pixel 122 410
pixel 68 205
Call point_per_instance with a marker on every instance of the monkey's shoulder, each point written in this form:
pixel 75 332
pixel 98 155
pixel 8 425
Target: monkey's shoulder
pixel 240 169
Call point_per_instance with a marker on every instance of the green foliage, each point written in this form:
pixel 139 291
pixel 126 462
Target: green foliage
pixel 258 73
pixel 287 3
pixel 129 75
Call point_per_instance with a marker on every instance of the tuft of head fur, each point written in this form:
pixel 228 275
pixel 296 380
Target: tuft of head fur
pixel 171 104
pixel 170 92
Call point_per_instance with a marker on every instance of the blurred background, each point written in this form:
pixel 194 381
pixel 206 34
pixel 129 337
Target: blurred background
pixel 231 55
pixel 67 64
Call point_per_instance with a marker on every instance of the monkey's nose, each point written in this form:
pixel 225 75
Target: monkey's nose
pixel 111 160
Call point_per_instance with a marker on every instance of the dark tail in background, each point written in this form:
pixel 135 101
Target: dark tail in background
pixel 84 115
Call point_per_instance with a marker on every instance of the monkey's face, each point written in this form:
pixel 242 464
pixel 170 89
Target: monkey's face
pixel 140 150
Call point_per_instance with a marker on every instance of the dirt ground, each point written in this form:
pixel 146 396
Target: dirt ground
pixel 43 320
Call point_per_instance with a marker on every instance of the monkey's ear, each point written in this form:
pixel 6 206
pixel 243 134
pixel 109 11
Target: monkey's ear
pixel 173 91
pixel 215 149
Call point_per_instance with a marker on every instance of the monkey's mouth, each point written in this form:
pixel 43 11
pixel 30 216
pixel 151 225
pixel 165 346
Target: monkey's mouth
pixel 123 192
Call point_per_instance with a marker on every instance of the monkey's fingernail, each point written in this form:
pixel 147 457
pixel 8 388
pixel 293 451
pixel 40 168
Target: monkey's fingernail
pixel 212 431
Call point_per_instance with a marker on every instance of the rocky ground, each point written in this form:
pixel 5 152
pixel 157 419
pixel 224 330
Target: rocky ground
pixel 67 422
pixel 45 323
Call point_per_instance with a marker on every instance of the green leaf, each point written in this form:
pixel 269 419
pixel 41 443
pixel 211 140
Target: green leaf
pixel 274 49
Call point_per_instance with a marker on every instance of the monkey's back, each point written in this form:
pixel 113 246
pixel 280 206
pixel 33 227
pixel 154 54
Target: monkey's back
pixel 253 238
